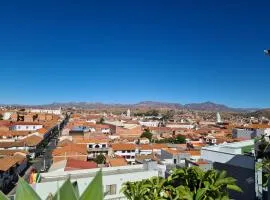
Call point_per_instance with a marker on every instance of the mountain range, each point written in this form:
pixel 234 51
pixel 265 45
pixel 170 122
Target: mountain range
pixel 205 106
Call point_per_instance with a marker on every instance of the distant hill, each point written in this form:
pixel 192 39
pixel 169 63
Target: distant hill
pixel 205 106
pixel 208 106
pixel 260 113
pixel 157 105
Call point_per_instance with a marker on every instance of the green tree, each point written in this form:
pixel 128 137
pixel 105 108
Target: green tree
pixel 147 134
pixel 1 116
pixel 101 121
pixel 168 115
pixel 152 113
pixel 180 139
pixel 100 159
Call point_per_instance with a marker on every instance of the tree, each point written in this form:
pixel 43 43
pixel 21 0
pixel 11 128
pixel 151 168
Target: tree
pixel 100 159
pixel 168 115
pixel 1 116
pixel 152 113
pixel 101 121
pixel 147 134
pixel 180 139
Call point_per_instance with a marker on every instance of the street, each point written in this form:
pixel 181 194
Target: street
pixel 42 162
pixel 39 164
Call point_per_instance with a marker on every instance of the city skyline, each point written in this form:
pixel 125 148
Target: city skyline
pixel 127 52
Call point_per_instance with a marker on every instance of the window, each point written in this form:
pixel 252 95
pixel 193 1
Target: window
pixel 90 146
pixel 123 151
pixel 132 157
pixel 128 151
pixel 133 150
pixel 26 127
pixel 128 157
pixel 104 146
pixel 111 189
pixel 34 127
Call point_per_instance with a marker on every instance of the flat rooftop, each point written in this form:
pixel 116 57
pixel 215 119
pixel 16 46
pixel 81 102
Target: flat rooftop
pixel 234 147
pixel 76 174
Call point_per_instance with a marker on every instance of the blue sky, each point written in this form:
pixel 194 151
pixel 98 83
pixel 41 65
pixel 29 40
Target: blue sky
pixel 128 51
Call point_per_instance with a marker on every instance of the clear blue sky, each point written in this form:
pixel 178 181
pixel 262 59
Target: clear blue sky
pixel 128 51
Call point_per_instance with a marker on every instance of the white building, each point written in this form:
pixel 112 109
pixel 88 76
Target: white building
pixel 149 123
pixel 180 125
pixel 25 126
pixel 127 151
pixel 224 153
pixel 95 148
pixel 232 158
pixel 128 113
pixel 47 111
pixel 106 130
pixel 6 115
pixel 112 178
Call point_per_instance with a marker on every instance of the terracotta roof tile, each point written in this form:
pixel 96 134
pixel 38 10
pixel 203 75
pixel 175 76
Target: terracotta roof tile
pixel 115 162
pixel 123 146
pixel 7 162
pixel 12 144
pixel 73 164
pixel 11 152
pixel 14 133
pixel 42 131
pixel 172 151
pixel 71 148
pixel 194 153
pixel 32 140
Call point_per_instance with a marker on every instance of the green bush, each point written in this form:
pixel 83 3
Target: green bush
pixel 183 184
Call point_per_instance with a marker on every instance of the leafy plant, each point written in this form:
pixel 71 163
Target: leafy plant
pixel 183 184
pixel 68 190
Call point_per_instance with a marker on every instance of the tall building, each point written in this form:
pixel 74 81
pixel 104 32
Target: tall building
pixel 218 118
pixel 128 113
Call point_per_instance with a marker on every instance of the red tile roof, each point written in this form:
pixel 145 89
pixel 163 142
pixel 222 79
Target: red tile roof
pixel 7 162
pixel 25 123
pixel 123 146
pixel 73 164
pixel 14 133
pixel 32 140
pixel 74 148
pixel 42 130
pixel 11 152
pixel 115 162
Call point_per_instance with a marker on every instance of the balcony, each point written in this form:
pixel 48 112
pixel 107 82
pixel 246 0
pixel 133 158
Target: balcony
pixel 98 149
